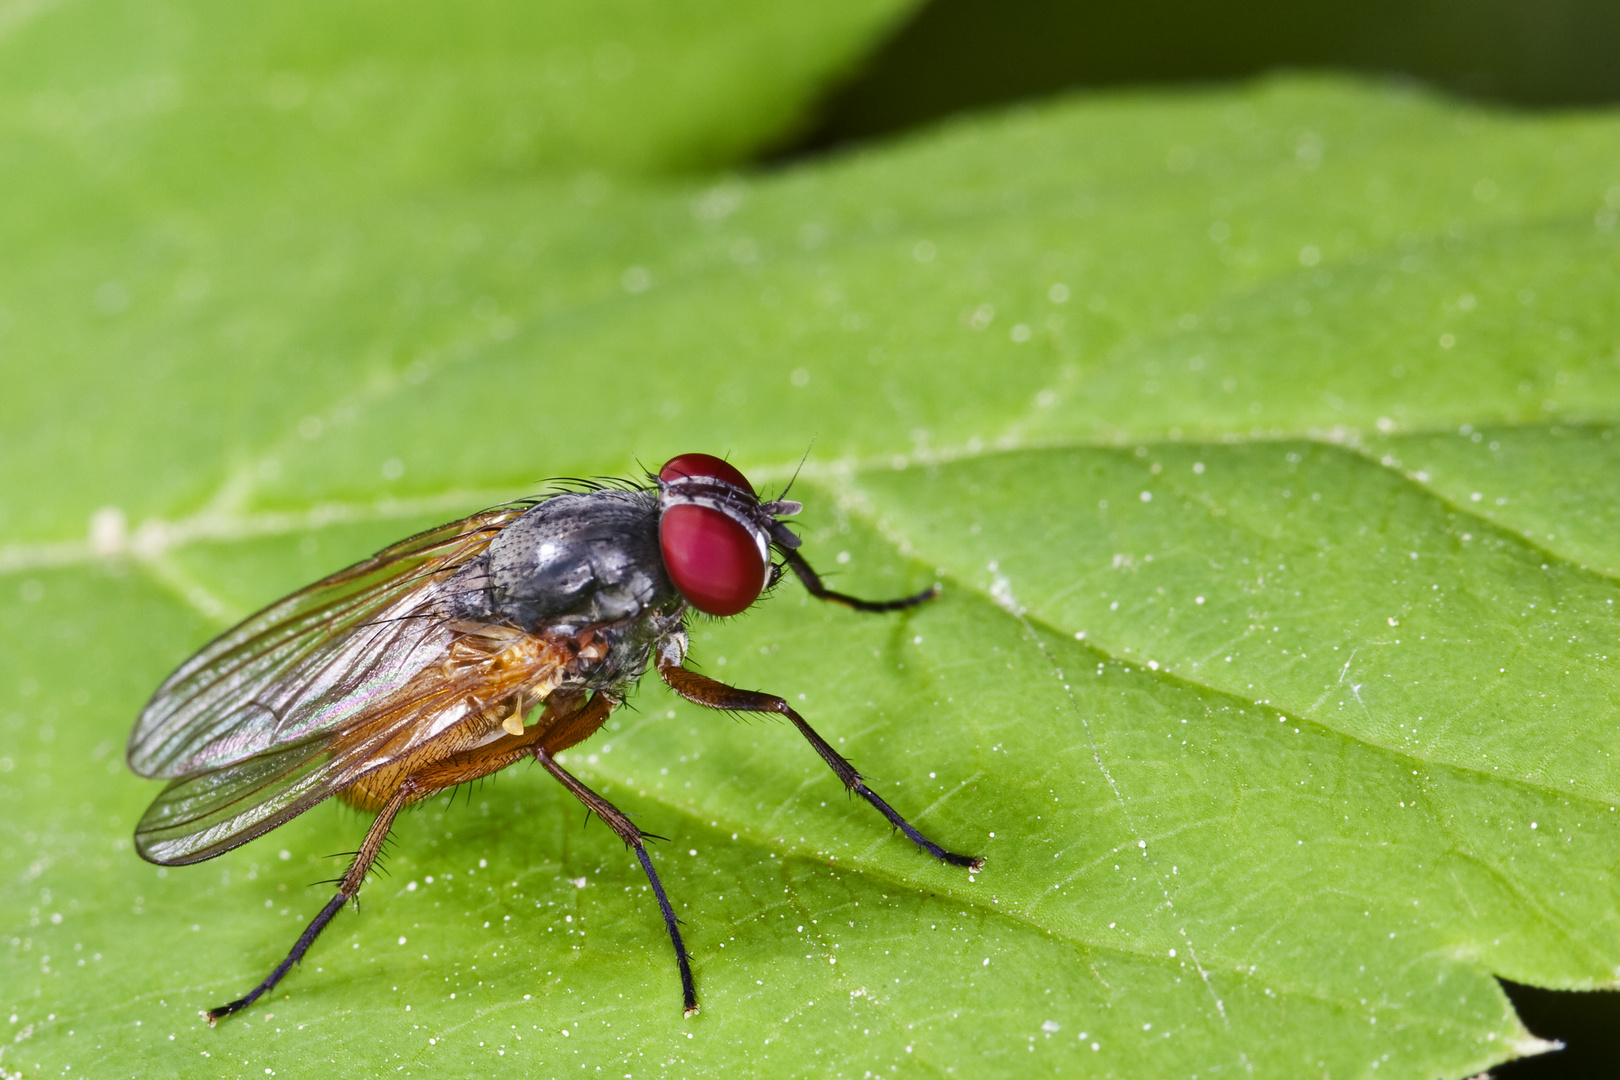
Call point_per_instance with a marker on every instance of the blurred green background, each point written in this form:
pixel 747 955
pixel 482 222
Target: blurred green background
pixel 957 55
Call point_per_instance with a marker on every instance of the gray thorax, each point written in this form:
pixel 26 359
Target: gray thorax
pixel 576 560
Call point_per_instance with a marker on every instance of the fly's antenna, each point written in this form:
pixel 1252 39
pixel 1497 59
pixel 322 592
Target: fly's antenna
pixel 794 479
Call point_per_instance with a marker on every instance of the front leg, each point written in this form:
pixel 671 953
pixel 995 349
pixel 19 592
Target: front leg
pixel 813 584
pixel 702 690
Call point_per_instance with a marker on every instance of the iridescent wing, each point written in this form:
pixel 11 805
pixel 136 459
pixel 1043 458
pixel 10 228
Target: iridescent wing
pixel 299 700
pixel 446 708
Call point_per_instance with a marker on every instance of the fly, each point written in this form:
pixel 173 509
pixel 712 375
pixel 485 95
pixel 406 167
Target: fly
pixel 508 635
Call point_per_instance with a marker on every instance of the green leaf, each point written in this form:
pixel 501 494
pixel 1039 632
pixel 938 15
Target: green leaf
pixel 199 197
pixel 1257 437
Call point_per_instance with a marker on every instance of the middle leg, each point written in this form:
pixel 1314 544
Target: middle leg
pixel 544 740
pixel 632 836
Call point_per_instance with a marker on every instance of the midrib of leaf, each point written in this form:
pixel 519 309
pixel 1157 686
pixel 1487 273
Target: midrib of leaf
pixel 224 520
pixel 224 517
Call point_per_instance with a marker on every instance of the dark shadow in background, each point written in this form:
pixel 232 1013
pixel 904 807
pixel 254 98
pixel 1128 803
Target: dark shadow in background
pixel 961 55
pixel 958 55
pixel 1587 1023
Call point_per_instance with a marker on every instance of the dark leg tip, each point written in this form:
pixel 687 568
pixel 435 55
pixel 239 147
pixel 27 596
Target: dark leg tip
pixel 976 864
pixel 691 1010
pixel 219 1012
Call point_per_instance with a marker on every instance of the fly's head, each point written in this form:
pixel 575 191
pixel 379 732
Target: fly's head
pixel 715 535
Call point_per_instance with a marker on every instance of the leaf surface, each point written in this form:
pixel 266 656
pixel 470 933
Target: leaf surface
pixel 1259 440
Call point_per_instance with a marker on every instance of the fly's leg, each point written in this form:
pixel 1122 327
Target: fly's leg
pixel 632 837
pixel 702 690
pixel 812 582
pixel 346 890
pixel 566 729
pixel 544 741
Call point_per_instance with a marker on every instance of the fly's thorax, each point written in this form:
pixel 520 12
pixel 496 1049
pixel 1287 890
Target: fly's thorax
pixel 578 559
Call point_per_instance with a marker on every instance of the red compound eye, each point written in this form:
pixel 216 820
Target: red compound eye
pixel 717 561
pixel 677 468
pixel 712 558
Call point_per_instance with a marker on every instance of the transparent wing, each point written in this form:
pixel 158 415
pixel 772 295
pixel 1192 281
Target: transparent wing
pixel 206 813
pixel 313 663
pixel 202 815
pixel 355 673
